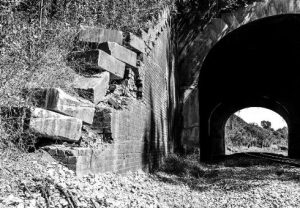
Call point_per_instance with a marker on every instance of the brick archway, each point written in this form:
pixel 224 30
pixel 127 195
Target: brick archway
pixel 193 53
pixel 222 112
pixel 252 66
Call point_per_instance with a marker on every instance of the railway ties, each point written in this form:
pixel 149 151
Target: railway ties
pixel 275 158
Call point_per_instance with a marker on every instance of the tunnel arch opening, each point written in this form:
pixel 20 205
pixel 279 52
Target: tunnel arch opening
pixel 252 66
pixel 215 141
pixel 256 129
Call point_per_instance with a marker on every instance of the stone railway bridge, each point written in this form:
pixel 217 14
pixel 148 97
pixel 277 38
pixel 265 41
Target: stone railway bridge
pixel 175 86
pixel 241 59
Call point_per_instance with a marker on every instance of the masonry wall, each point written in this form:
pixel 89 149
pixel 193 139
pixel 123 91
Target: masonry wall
pixel 143 138
pixel 142 131
pixel 191 124
pixel 197 35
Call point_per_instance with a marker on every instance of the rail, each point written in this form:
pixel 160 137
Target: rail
pixel 274 158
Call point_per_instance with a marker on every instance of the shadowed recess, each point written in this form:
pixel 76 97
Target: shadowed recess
pixel 253 66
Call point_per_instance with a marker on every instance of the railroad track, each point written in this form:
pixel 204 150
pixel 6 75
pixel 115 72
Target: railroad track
pixel 274 158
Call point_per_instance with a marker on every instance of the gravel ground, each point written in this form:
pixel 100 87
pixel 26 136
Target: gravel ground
pixel 34 180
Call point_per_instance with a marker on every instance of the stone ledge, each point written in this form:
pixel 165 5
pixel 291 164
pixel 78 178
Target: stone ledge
pixel 136 44
pixel 119 52
pixel 62 151
pixel 55 126
pixel 43 123
pixel 99 35
pixel 93 88
pixel 98 60
pixel 59 101
pixel 82 160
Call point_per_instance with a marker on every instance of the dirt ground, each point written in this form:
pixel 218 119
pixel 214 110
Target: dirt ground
pixel 35 180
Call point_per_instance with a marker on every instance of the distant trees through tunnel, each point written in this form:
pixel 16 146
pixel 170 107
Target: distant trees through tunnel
pixel 256 130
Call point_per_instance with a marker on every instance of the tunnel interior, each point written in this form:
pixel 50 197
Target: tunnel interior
pixel 255 65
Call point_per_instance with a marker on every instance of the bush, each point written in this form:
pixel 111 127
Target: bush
pixel 30 57
pixel 188 166
pixel 128 15
pixel 239 133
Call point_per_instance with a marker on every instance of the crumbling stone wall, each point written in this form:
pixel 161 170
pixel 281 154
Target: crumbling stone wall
pixel 123 119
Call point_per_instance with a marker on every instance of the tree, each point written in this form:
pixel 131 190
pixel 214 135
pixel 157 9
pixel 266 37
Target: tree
pixel 266 124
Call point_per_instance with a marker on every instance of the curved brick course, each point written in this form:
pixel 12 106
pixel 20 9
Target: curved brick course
pixel 193 53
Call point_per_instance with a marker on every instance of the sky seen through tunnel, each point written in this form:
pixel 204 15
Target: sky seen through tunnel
pixel 256 115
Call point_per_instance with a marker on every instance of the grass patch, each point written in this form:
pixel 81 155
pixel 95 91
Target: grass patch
pixel 184 166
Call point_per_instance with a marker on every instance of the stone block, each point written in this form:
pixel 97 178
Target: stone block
pixel 136 43
pixel 59 101
pixel 56 150
pixel 93 88
pixel 55 126
pixel 98 60
pixel 103 120
pixel 111 64
pixel 83 160
pixel 52 151
pixel 119 52
pixel 99 35
pixel 81 165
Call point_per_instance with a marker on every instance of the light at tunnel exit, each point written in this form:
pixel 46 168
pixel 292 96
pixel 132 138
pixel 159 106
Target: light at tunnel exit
pixel 256 115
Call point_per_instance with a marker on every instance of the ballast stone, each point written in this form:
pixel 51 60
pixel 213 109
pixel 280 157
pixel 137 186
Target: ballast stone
pixel 59 101
pixel 54 125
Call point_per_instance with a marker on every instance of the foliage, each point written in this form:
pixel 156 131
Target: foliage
pixel 30 57
pixel 183 166
pixel 37 35
pixel 128 16
pixel 228 5
pixel 239 133
pixel 214 7
pixel 266 124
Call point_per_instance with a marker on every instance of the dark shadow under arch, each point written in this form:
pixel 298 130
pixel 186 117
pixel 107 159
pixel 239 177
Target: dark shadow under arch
pixel 253 66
